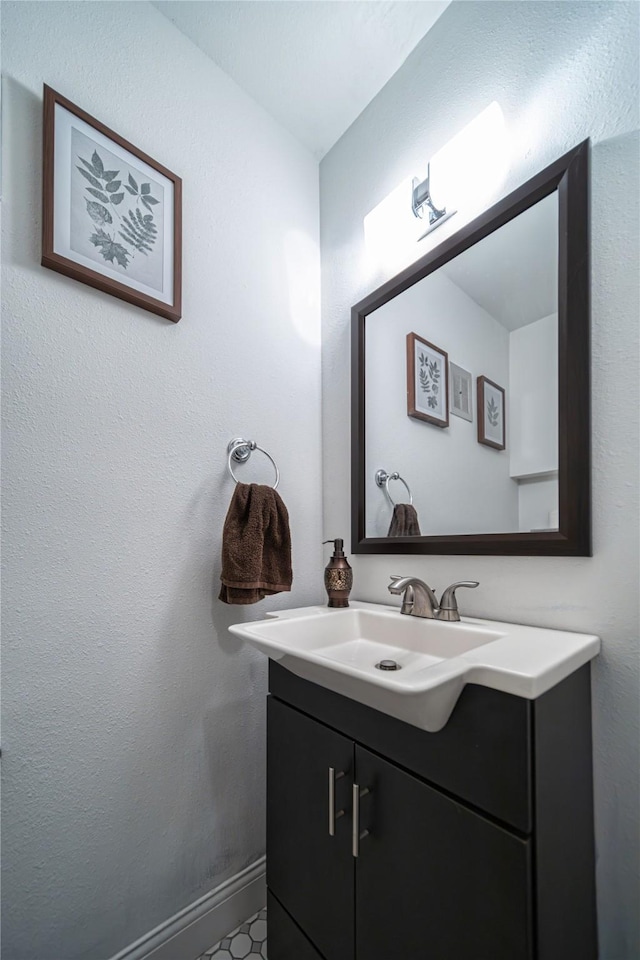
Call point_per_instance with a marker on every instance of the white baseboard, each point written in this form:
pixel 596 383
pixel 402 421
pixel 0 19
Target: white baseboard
pixel 196 928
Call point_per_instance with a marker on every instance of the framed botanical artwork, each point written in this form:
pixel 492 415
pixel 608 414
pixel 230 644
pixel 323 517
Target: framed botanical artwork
pixel 112 216
pixel 491 414
pixel 461 392
pixel 427 381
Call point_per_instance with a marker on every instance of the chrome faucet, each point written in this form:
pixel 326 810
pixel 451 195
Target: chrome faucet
pixel 419 600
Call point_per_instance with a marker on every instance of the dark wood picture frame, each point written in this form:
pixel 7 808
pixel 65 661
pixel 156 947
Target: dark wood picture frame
pixel 78 271
pixel 441 389
pixel 482 437
pixel 569 176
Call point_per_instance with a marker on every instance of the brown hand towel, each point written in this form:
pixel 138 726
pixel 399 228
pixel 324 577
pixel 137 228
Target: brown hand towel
pixel 404 522
pixel 256 545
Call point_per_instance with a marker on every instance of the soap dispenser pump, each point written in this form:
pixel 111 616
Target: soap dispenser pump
pixel 338 576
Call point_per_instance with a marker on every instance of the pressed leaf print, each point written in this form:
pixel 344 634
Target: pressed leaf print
pixel 110 250
pixel 90 167
pixel 98 194
pixel 98 213
pixel 139 231
pixel 126 238
pixel 97 163
pixel 429 380
pixel 92 180
pixel 493 412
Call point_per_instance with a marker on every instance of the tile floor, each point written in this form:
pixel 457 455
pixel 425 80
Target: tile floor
pixel 249 940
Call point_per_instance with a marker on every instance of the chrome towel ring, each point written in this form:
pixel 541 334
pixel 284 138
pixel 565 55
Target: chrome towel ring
pixel 383 478
pixel 240 450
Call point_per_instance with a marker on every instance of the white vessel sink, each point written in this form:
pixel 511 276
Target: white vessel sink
pixel 340 648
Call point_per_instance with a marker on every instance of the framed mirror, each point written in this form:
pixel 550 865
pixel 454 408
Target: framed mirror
pixel 470 385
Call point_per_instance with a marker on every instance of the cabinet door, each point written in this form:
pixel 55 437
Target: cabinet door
pixel 433 879
pixel 286 940
pixel 309 871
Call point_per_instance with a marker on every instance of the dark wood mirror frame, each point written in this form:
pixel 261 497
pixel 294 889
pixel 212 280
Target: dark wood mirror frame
pixel 570 177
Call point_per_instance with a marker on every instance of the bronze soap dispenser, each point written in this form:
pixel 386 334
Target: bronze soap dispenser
pixel 338 576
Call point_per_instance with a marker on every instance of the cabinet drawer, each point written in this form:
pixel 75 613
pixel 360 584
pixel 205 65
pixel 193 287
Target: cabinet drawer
pixel 482 755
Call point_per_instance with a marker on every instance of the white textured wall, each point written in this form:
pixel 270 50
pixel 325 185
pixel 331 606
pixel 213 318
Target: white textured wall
pixel 458 484
pixel 561 72
pixel 133 742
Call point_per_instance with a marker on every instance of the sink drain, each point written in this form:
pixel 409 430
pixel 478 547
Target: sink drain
pixel 388 665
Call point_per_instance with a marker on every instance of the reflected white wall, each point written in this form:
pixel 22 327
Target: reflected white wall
pixel 458 484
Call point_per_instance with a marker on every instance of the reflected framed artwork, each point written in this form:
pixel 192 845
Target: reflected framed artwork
pixel 112 216
pixel 461 388
pixel 491 414
pixel 427 381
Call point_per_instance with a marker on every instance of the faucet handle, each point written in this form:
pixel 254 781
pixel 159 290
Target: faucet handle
pixel 449 603
pixel 406 593
pixel 395 579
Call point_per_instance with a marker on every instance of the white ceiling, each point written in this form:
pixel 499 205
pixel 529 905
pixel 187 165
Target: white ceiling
pixel 313 64
pixel 513 272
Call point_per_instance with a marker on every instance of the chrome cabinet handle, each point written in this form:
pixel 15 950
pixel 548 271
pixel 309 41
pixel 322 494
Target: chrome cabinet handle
pixel 333 816
pixel 357 835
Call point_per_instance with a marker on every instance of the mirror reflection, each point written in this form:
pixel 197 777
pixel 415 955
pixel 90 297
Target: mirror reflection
pixel 461 381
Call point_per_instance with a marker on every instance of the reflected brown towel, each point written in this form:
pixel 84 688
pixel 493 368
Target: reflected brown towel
pixel 256 545
pixel 404 522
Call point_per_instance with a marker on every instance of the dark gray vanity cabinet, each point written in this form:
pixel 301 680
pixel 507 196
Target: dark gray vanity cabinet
pixel 474 843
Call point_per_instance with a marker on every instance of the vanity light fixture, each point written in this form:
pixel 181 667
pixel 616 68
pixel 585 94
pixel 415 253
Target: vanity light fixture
pixel 422 202
pixel 464 176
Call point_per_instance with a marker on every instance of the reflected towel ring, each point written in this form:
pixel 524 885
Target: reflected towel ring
pixel 383 478
pixel 240 450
